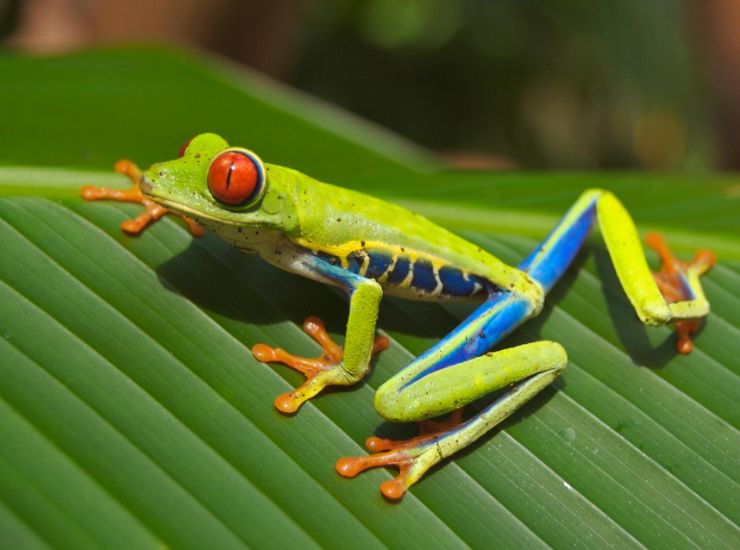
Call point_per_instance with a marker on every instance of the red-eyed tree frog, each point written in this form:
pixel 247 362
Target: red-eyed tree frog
pixel 369 247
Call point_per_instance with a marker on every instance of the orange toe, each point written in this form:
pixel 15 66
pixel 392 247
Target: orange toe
pixel 264 353
pixel 287 403
pixel 393 489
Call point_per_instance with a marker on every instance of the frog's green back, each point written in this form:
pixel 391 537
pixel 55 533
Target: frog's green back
pixel 342 223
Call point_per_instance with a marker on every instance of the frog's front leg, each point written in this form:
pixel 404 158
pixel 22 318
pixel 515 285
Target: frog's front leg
pixel 337 365
pixel 152 212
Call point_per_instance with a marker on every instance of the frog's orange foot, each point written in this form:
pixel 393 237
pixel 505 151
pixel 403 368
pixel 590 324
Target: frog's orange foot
pixel 152 210
pixel 408 455
pixel 673 280
pixel 393 489
pixel 320 371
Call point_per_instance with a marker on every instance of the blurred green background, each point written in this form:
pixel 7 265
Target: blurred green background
pixel 486 83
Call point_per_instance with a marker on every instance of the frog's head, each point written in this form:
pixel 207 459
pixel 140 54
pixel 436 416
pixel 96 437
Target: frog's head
pixel 220 185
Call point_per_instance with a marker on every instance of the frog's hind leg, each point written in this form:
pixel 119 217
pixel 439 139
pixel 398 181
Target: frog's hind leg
pixel 457 370
pixel 152 212
pixel 451 374
pixel 673 295
pixel 531 366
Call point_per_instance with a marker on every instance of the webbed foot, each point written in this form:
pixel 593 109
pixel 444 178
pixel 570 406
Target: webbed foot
pixel 678 281
pixel 320 372
pixel 153 210
pixel 413 456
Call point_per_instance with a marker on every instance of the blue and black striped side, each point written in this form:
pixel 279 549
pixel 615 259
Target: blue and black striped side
pixel 399 270
pixel 458 284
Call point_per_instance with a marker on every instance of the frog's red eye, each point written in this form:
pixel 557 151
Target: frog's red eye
pixel 183 148
pixel 236 176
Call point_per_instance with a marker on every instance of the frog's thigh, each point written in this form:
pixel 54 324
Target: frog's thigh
pixel 452 387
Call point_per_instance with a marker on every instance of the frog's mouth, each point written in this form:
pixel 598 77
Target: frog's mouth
pixel 149 190
pixel 180 208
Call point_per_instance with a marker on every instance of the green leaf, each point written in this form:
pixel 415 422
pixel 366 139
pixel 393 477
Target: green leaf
pixel 134 415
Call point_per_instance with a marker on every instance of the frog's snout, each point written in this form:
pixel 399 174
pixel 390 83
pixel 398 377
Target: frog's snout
pixel 146 185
